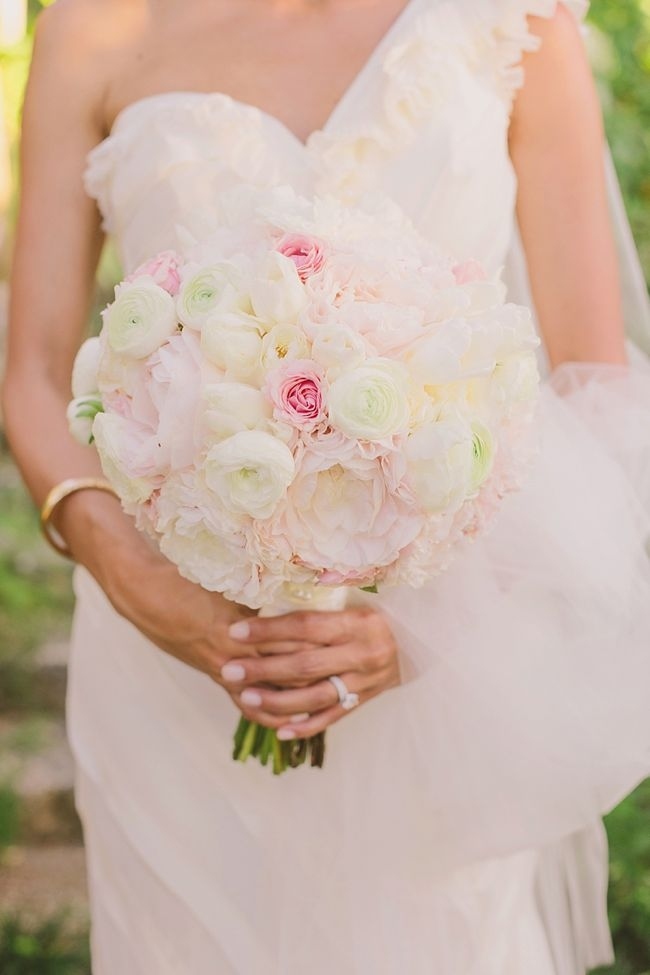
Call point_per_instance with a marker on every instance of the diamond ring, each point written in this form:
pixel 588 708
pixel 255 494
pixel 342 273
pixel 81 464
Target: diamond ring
pixel 347 699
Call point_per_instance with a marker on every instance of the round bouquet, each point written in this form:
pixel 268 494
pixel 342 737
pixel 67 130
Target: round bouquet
pixel 314 398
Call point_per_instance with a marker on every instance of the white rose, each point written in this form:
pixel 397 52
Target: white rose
pixel 284 342
pixel 440 460
pixel 231 407
pixel 81 414
pixel 250 472
pixel 117 448
pixel 232 345
pixel 205 289
pixel 371 402
pixel 86 368
pixel 277 294
pixel 140 319
pixel 337 347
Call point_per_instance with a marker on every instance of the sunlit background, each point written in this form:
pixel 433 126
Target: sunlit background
pixel 43 908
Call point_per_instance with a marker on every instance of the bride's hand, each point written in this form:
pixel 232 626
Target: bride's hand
pixel 298 652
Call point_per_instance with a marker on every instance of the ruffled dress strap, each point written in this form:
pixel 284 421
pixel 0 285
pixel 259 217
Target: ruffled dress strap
pixel 507 33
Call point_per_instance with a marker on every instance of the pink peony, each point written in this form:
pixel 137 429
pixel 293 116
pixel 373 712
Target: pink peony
pixel 307 253
pixel 469 272
pixel 295 389
pixel 164 269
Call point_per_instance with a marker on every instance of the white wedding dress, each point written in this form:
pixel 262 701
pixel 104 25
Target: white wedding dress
pixel 455 828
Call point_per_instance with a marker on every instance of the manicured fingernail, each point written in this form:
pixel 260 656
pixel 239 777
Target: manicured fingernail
pixel 239 630
pixel 233 672
pixel 286 734
pixel 297 718
pixel 251 697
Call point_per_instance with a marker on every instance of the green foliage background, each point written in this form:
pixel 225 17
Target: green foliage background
pixel 34 598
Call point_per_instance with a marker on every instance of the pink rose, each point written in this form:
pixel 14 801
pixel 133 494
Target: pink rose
pixel 469 272
pixel 307 253
pixel 164 269
pixel 295 389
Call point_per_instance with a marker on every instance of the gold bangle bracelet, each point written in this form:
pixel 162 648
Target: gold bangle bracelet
pixel 58 493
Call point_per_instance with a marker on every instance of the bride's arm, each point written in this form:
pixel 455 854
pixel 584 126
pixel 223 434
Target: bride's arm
pixel 58 244
pixel 556 144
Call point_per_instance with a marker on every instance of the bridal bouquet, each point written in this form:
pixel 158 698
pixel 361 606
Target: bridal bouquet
pixel 312 399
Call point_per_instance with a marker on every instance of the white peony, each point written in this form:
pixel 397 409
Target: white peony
pixel 232 345
pixel 440 459
pixel 278 295
pixel 229 408
pixel 371 402
pixel 438 356
pixel 337 347
pixel 250 472
pixel 284 342
pixel 140 319
pixel 206 289
pixel 86 368
pixel 117 446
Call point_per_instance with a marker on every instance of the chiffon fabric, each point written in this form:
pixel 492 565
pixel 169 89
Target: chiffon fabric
pixel 455 828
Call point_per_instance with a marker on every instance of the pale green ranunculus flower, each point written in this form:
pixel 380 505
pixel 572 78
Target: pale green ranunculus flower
pixel 250 472
pixel 204 289
pixel 371 402
pixel 140 319
pixel 483 455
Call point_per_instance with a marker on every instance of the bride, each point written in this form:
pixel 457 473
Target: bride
pixel 455 828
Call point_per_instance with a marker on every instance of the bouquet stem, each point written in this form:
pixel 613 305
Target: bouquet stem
pixel 254 740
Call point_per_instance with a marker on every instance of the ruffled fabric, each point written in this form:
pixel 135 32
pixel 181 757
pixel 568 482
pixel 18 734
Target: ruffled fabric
pixel 507 33
pixel 418 73
pixel 159 139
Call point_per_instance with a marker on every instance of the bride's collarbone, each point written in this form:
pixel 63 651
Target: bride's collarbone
pixel 243 54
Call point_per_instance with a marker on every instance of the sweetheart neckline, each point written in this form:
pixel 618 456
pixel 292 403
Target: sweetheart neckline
pixel 385 41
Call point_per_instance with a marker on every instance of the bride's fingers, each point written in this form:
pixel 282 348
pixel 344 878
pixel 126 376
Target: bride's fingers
pixel 284 646
pixel 283 703
pixel 291 670
pixel 289 708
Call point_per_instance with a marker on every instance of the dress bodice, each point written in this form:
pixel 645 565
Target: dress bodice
pixel 424 122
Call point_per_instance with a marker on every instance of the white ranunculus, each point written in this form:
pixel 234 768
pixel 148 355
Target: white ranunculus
pixel 482 455
pixel 371 402
pixel 231 407
pixel 284 342
pixel 232 345
pixel 86 368
pixel 441 460
pixel 250 472
pixel 278 295
pixel 117 447
pixel 337 347
pixel 140 319
pixel 204 289
pixel 81 414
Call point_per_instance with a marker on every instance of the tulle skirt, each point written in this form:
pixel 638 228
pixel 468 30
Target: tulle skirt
pixel 455 829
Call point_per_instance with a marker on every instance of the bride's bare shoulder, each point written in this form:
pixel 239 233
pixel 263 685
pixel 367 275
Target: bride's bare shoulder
pixel 78 47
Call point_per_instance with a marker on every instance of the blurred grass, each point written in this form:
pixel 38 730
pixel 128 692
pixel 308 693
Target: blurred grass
pixel 35 597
